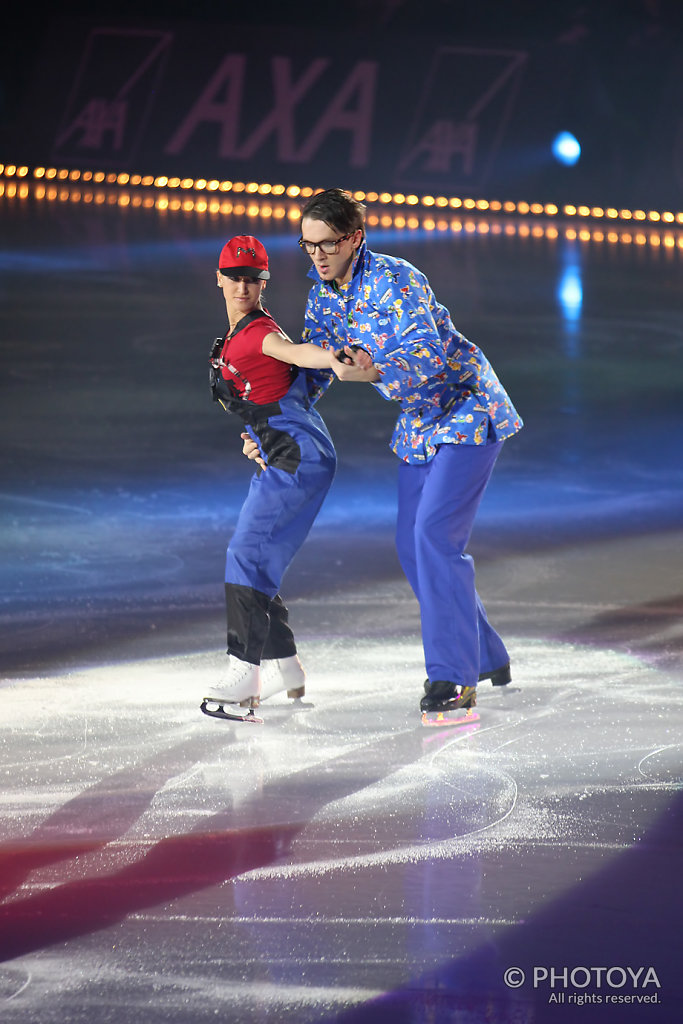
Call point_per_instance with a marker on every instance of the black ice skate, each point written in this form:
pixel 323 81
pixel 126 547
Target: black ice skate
pixel 446 704
pixel 498 676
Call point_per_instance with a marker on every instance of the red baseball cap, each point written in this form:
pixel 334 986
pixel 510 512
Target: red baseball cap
pixel 244 255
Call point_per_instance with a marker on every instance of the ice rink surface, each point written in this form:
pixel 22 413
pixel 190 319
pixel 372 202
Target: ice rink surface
pixel 340 862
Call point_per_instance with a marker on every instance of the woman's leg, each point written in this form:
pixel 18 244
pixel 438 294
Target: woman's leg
pixel 274 521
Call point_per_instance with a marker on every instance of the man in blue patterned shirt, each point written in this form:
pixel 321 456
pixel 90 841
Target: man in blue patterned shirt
pixel 454 417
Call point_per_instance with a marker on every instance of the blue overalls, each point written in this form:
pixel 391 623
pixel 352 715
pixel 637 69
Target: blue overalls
pixel 276 517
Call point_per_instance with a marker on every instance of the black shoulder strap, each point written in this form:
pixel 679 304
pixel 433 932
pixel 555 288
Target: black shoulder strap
pixel 245 321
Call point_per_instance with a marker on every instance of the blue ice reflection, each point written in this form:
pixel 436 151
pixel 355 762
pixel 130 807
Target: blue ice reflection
pixel 570 299
pixel 570 293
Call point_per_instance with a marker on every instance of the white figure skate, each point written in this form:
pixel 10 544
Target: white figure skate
pixel 236 696
pixel 278 674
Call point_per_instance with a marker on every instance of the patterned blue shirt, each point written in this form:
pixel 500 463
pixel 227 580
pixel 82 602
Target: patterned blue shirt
pixel 447 389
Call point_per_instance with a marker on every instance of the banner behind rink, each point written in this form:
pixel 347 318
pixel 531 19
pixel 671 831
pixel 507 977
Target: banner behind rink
pixel 385 112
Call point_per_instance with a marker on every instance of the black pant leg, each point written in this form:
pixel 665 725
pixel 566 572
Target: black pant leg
pixel 280 642
pixel 248 618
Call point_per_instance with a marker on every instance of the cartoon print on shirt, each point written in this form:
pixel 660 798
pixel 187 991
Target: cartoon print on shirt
pixel 423 361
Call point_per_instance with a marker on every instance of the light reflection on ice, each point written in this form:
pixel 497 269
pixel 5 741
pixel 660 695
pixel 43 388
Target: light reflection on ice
pixel 368 815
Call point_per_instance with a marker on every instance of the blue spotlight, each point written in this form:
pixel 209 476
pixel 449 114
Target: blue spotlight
pixel 566 149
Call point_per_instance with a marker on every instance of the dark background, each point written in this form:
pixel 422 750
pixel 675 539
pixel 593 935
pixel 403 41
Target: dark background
pixel 609 71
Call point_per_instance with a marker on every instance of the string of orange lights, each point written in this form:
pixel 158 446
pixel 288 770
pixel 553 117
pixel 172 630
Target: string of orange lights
pixel 385 209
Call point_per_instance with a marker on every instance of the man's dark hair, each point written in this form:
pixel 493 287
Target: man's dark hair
pixel 338 209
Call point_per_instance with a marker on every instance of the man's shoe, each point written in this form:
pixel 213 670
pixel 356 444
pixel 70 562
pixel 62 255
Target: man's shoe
pixel 443 695
pixel 499 676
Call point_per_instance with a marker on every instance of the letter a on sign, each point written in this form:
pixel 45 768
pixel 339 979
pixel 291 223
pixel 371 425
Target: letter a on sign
pixel 220 103
pixel 356 119
pixel 350 110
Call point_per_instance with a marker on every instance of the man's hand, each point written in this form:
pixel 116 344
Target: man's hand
pixel 251 450
pixel 354 355
pixel 354 363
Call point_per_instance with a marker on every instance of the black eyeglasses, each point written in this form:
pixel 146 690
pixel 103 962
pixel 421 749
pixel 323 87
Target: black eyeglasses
pixel 329 247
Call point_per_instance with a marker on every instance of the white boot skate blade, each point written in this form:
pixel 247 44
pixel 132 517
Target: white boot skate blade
pixel 230 712
pixel 280 675
pixel 458 716
pixel 294 695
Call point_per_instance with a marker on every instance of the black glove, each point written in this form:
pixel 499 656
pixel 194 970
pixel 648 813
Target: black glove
pixel 344 357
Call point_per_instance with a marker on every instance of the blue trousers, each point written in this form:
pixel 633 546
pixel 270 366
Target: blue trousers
pixel 438 502
pixel 275 519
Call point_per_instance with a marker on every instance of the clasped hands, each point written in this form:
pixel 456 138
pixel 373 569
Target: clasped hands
pixel 352 363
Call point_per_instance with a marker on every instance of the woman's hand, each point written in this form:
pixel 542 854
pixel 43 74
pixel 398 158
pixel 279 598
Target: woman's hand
pixel 251 450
